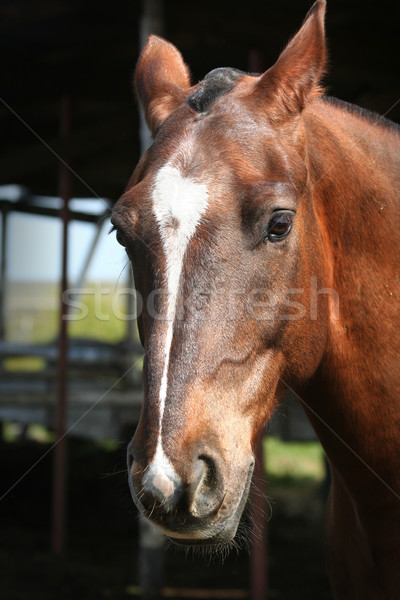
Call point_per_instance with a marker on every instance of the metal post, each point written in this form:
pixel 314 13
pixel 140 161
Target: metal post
pixel 151 560
pixel 3 274
pixel 60 451
pixel 256 61
pixel 259 541
pixel 151 21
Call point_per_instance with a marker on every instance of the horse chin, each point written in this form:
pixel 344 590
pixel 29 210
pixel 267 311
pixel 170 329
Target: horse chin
pixel 223 536
pixel 215 542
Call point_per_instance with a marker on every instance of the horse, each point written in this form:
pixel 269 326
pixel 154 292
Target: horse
pixel 262 227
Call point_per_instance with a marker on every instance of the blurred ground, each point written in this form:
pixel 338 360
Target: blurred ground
pixel 101 561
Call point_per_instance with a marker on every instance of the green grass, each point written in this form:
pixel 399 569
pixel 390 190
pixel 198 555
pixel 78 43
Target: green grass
pixel 29 364
pixel 294 460
pixel 100 320
pixel 295 473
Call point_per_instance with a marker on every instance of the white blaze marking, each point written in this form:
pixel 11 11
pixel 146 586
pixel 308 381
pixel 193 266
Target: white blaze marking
pixel 178 205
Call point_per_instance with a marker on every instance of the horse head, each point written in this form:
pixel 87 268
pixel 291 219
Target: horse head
pixel 223 234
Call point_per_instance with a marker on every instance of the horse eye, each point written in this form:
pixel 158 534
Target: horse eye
pixel 119 238
pixel 279 226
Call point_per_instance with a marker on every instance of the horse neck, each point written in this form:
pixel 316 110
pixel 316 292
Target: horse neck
pixel 353 166
pixel 354 163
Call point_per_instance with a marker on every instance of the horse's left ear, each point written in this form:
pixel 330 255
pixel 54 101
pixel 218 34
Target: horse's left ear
pixel 294 79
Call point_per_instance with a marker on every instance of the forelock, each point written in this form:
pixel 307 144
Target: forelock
pixel 215 84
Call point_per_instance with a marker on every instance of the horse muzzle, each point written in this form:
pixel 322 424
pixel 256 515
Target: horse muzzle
pixel 195 506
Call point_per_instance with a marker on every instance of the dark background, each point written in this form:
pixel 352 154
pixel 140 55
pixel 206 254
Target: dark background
pixel 88 49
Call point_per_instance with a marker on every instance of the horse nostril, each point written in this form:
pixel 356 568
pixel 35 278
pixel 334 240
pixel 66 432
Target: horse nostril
pixel 131 460
pixel 209 480
pixel 206 493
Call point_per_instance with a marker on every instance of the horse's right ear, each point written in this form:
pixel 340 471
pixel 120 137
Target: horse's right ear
pixel 160 79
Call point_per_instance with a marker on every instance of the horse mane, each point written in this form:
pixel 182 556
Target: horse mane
pixel 369 115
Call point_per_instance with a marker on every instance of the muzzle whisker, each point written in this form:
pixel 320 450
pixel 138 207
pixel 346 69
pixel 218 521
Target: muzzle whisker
pixel 105 475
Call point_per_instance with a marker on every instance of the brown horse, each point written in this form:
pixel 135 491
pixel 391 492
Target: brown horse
pixel 263 229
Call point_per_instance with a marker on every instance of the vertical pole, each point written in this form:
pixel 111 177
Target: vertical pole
pixel 3 274
pixel 151 559
pixel 256 61
pixel 151 542
pixel 151 21
pixel 259 541
pixel 60 451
